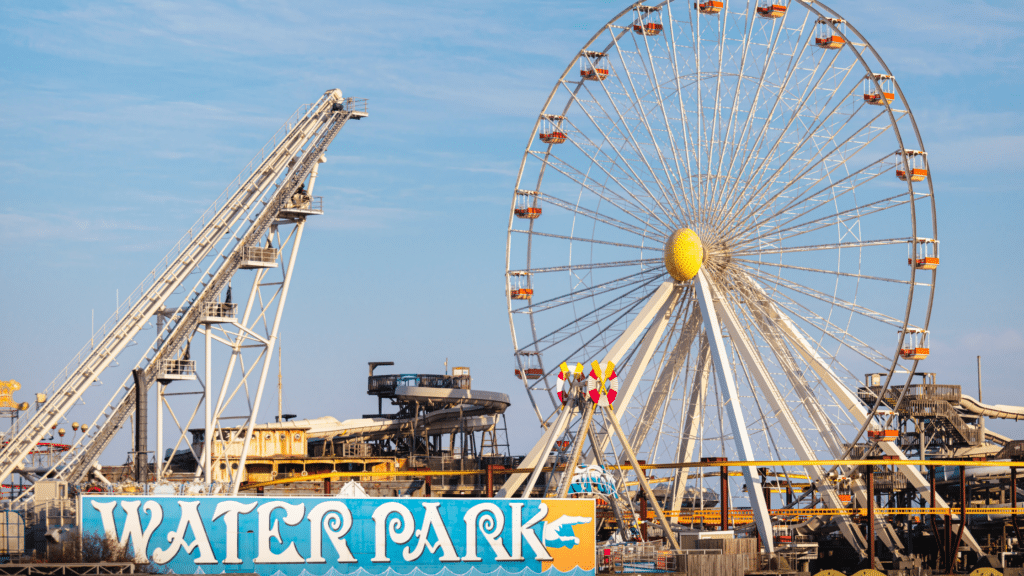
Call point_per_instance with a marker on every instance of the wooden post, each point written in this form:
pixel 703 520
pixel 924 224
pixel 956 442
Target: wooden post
pixel 963 519
pixel 327 486
pixel 490 480
pixel 724 491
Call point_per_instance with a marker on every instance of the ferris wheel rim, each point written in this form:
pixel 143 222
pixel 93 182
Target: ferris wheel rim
pixel 894 126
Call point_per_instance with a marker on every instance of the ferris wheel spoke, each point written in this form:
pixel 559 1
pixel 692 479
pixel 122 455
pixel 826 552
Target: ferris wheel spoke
pixel 755 265
pixel 656 83
pixel 815 247
pixel 827 328
pixel 783 89
pixel 625 164
pixel 825 195
pixel 751 113
pixel 715 130
pixel 631 139
pixel 641 109
pixel 857 212
pixel 765 205
pixel 684 121
pixel 813 160
pixel 665 379
pixel 653 248
pixel 589 292
pixel 827 172
pixel 596 352
pixel 592 265
pixel 587 213
pixel 595 187
pixel 832 299
pixel 577 326
pixel 761 320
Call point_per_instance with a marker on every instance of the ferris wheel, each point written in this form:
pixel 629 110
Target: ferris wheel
pixel 731 202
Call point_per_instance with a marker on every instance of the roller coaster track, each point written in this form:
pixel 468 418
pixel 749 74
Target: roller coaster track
pixel 236 221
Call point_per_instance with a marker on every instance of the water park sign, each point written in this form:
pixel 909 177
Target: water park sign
pixel 365 536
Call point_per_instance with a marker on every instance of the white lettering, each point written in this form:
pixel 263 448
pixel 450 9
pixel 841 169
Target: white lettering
pixel 491 523
pixel 334 518
pixel 189 519
pixel 292 516
pixel 522 532
pixel 230 511
pixel 432 520
pixel 400 529
pixel 132 524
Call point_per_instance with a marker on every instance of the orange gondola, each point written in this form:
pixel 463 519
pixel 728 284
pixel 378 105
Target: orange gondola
pixel 769 9
pixel 830 33
pixel 647 23
pixel 924 254
pixel 881 93
pixel 709 7
pixel 916 163
pixel 526 205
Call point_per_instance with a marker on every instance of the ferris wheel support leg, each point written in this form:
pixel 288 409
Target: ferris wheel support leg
pixel 853 405
pixel 650 310
pixel 692 421
pixel 658 308
pixel 662 389
pixel 705 296
pixel 577 450
pixel 536 457
pixel 642 479
pixel 266 359
pixel 613 500
pixel 789 424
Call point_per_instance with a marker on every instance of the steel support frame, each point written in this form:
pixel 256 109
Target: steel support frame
pixel 794 433
pixel 320 122
pixel 860 413
pixel 723 369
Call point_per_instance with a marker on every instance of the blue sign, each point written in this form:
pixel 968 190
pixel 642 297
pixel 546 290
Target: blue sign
pixel 365 536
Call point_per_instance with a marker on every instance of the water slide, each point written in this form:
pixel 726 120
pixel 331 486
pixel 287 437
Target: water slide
pixel 991 411
pixel 456 410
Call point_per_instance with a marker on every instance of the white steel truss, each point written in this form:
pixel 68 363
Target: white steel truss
pixel 230 235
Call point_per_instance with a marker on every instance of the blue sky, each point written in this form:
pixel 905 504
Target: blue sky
pixel 121 121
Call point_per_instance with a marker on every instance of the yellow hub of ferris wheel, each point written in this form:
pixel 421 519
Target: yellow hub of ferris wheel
pixel 684 253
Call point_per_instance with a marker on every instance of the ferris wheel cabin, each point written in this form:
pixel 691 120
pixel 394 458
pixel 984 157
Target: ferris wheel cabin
pixel 647 23
pixel 768 9
pixel 916 165
pixel 915 344
pixel 519 285
pixel 551 129
pixel 528 365
pixel 880 90
pixel 709 7
pixel 526 205
pixel 924 254
pixel 591 67
pixel 828 33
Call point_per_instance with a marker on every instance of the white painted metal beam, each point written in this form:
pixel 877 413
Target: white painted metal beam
pixel 720 357
pixel 784 416
pixel 860 413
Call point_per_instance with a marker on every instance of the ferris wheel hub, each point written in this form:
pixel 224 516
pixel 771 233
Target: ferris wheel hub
pixel 684 253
